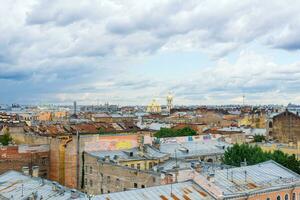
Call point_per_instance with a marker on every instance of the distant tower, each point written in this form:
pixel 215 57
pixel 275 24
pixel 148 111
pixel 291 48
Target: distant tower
pixel 169 102
pixel 243 99
pixel 75 107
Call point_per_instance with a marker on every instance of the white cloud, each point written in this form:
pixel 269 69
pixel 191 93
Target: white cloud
pixel 52 46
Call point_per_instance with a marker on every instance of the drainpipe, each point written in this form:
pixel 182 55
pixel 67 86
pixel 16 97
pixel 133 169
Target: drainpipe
pixel 78 159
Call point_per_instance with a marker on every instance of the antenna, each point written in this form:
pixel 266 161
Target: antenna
pixel 244 100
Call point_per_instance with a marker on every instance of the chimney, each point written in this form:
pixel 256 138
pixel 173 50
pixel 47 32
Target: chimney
pixel 116 158
pixel 35 171
pixel 211 177
pixel 25 170
pixel 106 159
pixel 198 167
pixel 140 141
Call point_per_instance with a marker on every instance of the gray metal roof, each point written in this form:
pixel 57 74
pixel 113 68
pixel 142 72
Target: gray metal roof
pixel 265 175
pixel 190 149
pixel 124 155
pixel 15 186
pixel 183 190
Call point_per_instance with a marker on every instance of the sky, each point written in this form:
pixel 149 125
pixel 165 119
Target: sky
pixel 129 52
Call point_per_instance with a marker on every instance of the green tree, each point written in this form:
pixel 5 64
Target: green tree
pixel 259 138
pixel 5 138
pixel 169 132
pixel 253 154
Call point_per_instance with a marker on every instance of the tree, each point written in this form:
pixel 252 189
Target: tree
pixel 253 154
pixel 259 138
pixel 169 132
pixel 5 138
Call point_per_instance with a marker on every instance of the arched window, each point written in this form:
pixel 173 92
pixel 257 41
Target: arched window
pixel 270 125
pixel 268 198
pixel 278 197
pixel 286 197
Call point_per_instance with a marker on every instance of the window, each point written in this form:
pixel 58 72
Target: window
pixel 138 166
pixel 270 125
pixel 278 197
pixel 108 179
pixel 91 169
pixel 118 181
pixel 108 191
pixel 85 181
pixel 268 198
pixel 286 197
pixel 143 186
pixel 91 183
pixel 132 165
pixel 154 179
pixel 150 165
pixel 44 161
pixel 294 196
pixel 135 185
pixel 101 191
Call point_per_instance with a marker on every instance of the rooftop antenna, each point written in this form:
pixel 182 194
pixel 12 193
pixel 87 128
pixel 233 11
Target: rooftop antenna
pixel 244 100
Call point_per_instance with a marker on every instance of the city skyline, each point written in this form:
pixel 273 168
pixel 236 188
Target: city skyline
pixel 129 52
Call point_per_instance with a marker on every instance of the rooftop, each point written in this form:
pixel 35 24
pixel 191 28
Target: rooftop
pixel 254 178
pixel 193 148
pixel 184 190
pixel 130 154
pixel 15 185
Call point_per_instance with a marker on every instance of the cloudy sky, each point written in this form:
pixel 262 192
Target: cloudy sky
pixel 131 51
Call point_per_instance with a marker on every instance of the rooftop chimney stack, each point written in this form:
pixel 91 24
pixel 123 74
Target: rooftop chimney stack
pixel 25 170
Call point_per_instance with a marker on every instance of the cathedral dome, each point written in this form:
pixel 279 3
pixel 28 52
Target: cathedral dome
pixel 153 107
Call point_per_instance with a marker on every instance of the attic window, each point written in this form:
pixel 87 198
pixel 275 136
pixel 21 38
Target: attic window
pixel 130 154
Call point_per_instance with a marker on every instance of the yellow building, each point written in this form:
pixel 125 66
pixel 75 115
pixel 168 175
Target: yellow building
pixel 253 120
pixel 286 148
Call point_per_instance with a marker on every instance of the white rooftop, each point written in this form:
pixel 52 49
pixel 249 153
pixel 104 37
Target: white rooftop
pixel 15 186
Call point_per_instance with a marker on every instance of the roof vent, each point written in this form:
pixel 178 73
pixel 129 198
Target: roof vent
pixel 74 194
pixel 183 149
pixel 54 186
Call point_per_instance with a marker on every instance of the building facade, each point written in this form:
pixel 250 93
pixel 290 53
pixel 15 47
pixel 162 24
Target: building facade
pixel 103 176
pixel 285 127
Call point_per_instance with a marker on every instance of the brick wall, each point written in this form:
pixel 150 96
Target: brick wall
pixel 286 127
pixel 16 157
